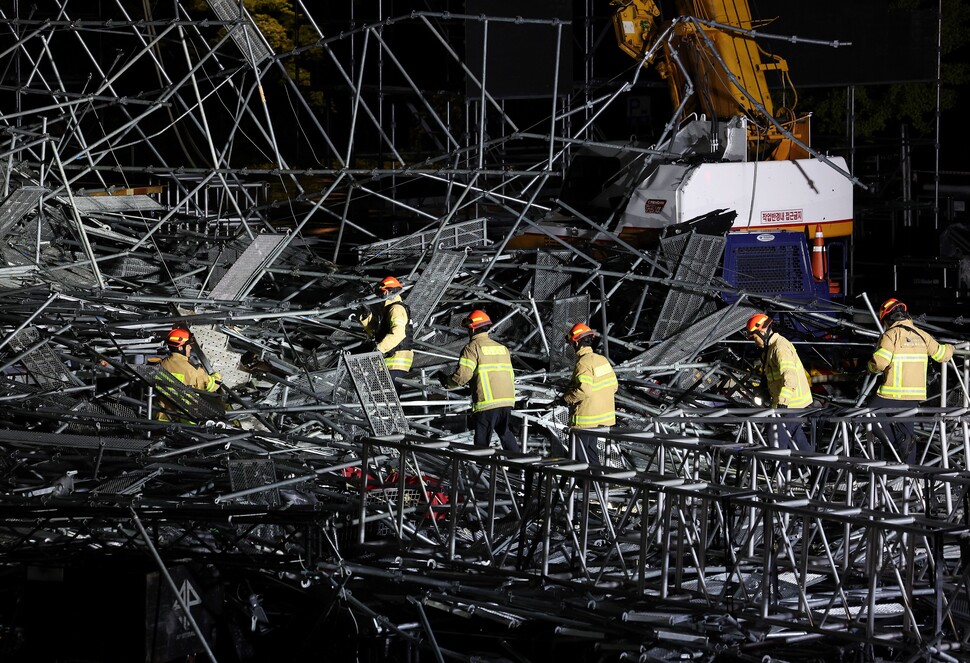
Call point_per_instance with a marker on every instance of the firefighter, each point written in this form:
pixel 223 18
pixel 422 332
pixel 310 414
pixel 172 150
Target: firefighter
pixel 589 394
pixel 901 357
pixel 389 325
pixel 179 343
pixel 787 381
pixel 488 365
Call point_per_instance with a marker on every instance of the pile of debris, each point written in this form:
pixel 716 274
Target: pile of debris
pixel 310 465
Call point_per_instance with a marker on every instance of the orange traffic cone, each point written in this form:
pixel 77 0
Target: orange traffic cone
pixel 818 255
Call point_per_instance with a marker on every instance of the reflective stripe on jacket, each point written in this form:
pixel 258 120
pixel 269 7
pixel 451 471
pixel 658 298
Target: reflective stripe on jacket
pixel 389 327
pixel 590 392
pixel 191 376
pixel 487 362
pixel 902 357
pixel 787 381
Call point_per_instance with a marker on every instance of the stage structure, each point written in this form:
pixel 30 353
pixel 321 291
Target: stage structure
pixel 172 169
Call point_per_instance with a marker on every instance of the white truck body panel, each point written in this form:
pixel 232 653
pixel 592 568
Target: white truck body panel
pixel 765 194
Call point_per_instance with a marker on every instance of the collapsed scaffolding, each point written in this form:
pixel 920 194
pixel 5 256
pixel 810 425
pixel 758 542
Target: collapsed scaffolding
pixel 312 467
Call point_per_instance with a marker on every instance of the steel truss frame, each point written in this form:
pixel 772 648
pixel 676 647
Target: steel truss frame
pixel 694 526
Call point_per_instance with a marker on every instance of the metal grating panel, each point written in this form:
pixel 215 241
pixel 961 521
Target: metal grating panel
pixel 42 362
pixel 37 396
pixel 75 277
pixel 223 256
pixel 254 473
pixel 685 345
pixel 17 205
pixel 770 270
pixel 854 611
pixel 96 415
pixel 247 36
pixel 700 256
pixel 129 266
pixel 130 484
pixel 672 248
pixel 296 390
pixel 566 312
pixel 191 404
pixel 456 236
pixel 376 393
pixel 345 393
pixel 134 203
pixel 215 348
pixel 289 394
pixel 73 441
pixel 549 283
pixel 696 379
pixel 96 228
pixel 18 272
pixel 431 286
pixel 249 268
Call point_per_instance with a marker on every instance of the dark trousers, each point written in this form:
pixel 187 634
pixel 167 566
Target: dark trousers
pixel 497 419
pixel 790 435
pixel 901 435
pixel 585 446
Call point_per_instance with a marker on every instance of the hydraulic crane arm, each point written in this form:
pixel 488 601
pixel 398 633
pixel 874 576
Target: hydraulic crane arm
pixel 715 53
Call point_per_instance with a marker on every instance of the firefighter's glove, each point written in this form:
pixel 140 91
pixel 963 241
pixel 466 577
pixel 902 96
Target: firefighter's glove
pixel 217 377
pixel 781 406
pixel 444 379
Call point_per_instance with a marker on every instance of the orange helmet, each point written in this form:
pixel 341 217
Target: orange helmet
pixel 759 324
pixel 477 319
pixel 892 308
pixel 579 331
pixel 177 338
pixel 388 283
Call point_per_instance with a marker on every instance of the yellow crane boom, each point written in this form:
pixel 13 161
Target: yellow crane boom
pixel 712 59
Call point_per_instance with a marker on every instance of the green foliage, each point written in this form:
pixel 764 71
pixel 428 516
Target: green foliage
pixel 882 108
pixel 276 20
pixel 286 30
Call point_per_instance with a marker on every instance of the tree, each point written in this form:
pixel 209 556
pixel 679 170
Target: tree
pixel 287 31
pixel 880 109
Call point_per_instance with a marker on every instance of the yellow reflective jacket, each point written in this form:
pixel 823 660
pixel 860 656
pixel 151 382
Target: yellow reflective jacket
pixel 192 376
pixel 390 329
pixel 487 362
pixel 179 365
pixel 902 356
pixel 590 392
pixel 787 381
